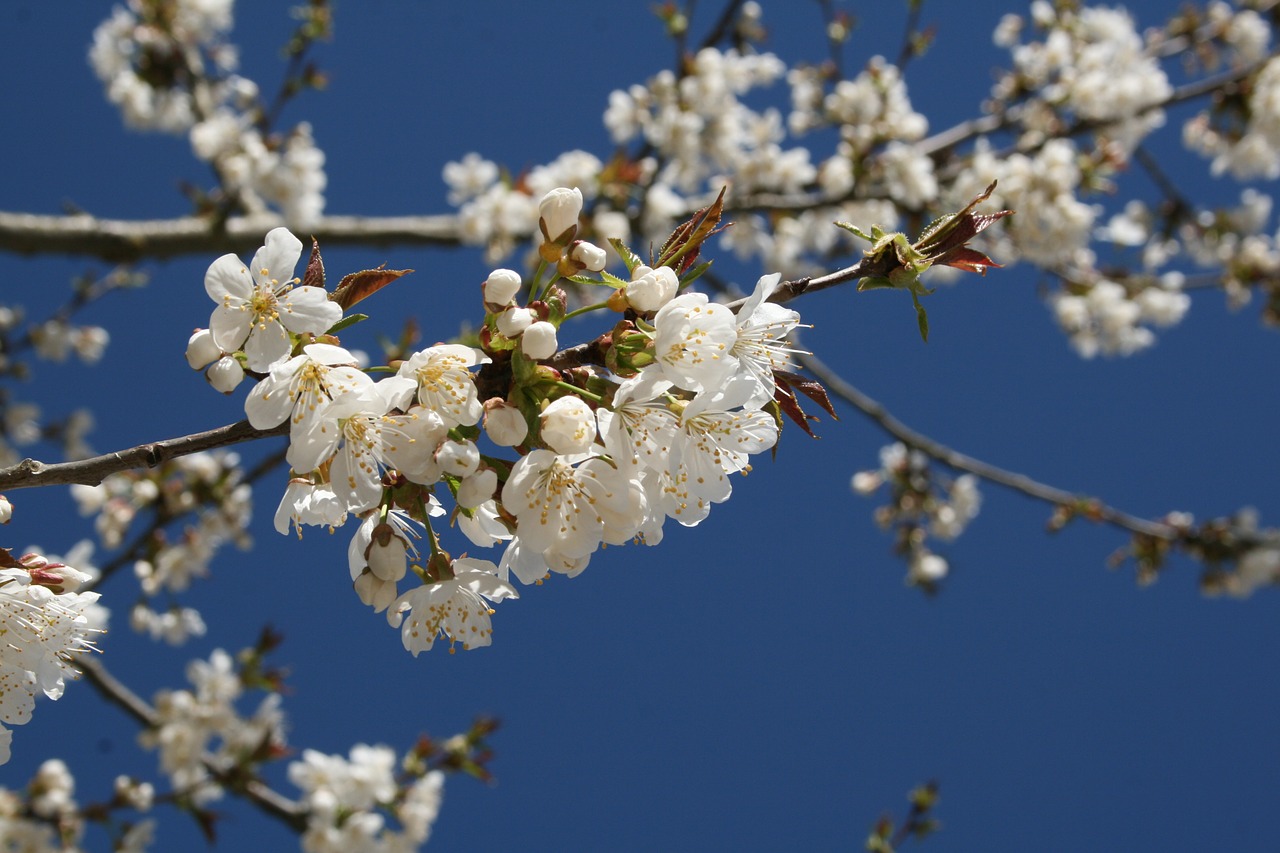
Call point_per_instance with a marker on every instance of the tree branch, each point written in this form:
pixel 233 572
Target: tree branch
pixel 92 471
pixel 1009 479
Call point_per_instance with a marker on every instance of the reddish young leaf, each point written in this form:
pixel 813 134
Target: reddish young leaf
pixel 361 285
pixel 811 388
pixel 787 403
pixel 314 276
pixel 969 260
pixel 7 560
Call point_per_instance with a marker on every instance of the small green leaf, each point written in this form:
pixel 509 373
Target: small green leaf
pixel 695 274
pixel 855 231
pixel 347 322
pixel 629 258
pixel 921 317
pixel 612 280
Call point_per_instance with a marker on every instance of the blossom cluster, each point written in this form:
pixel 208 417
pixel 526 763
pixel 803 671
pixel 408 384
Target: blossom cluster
pixel 45 621
pixel 346 799
pixel 608 450
pixel 168 67
pixel 922 504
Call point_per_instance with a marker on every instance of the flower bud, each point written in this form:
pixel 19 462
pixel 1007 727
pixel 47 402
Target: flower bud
pixel 225 374
pixel 6 510
pixel 558 212
pixel 201 350
pixel 501 287
pixel 387 554
pixel 477 488
pixel 866 482
pixel 568 425
pixel 375 592
pixel 460 458
pixel 504 423
pixel 589 255
pixel 514 320
pixel 650 289
pixel 539 341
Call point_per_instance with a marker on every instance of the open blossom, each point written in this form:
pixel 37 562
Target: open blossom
pixel 716 438
pixel 259 305
pixel 43 623
pixel 301 388
pixel 570 509
pixel 455 607
pixel 694 341
pixel 761 347
pixel 445 384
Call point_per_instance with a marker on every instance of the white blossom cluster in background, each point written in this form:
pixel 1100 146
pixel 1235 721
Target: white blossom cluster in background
pixel 206 491
pixel 202 727
pixel 921 504
pixel 45 621
pixel 657 435
pixel 348 800
pixel 46 817
pixel 175 72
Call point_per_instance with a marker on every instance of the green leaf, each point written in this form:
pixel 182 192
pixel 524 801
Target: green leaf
pixel 695 274
pixel 347 322
pixel 855 231
pixel 629 258
pixel 921 317
pixel 612 280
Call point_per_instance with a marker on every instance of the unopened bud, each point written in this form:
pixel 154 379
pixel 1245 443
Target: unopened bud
pixel 501 287
pixel 375 592
pixel 558 213
pixel 6 510
pixel 514 320
pixel 650 289
pixel 504 423
pixel 201 350
pixel 477 488
pixel 459 458
pixel 225 374
pixel 589 255
pixel 539 341
pixel 568 425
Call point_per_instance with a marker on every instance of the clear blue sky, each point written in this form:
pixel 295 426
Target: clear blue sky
pixel 765 681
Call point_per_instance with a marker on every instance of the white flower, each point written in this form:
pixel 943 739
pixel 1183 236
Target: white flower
pixel 640 427
pixel 515 320
pixel 568 425
pixel 303 386
pixel 761 347
pixel 694 341
pixel 305 502
pixel 539 341
pixel 716 438
pixel 445 384
pixel 455 608
pixel 569 510
pixel 259 305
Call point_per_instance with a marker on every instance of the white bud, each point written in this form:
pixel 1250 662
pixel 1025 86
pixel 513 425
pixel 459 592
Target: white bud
pixel 201 350
pixel 477 488
pixel 559 210
pixel 501 287
pixel 589 255
pixel 539 341
pixel 6 510
pixel 650 289
pixel 225 374
pixel 514 320
pixel 866 482
pixel 387 561
pixel 375 592
pixel 460 458
pixel 568 425
pixel 504 423
pixel 928 567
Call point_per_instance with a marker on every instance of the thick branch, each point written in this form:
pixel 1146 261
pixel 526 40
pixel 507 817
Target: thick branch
pixel 92 471
pixel 1010 479
pixel 264 796
pixel 120 240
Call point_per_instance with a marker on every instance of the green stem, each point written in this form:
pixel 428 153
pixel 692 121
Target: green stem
pixel 533 283
pixel 584 309
pixel 581 392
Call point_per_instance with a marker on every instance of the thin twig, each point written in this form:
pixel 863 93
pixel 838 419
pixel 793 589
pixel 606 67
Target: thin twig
pixel 1009 479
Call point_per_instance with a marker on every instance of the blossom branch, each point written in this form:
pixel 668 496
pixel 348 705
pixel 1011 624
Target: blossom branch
pixel 1091 507
pixel 264 796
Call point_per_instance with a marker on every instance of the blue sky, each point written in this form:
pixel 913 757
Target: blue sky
pixel 762 682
